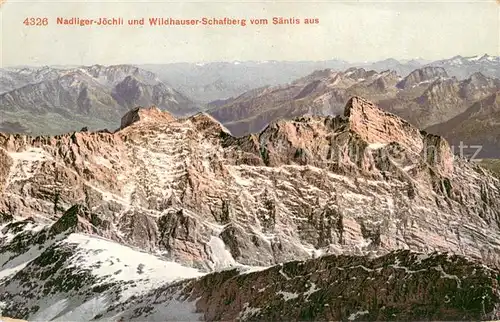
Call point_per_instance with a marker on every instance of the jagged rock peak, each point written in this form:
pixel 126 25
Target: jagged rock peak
pixel 377 126
pixel 321 141
pixel 205 122
pixel 487 106
pixel 422 75
pixel 478 79
pixel 79 219
pixel 145 114
pixel 359 73
pixel 70 219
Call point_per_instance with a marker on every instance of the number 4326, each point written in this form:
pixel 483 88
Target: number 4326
pixel 36 21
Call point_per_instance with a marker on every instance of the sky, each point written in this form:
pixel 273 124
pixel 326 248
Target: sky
pixel 355 31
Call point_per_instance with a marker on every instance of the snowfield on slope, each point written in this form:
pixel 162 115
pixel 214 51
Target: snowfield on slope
pixel 133 272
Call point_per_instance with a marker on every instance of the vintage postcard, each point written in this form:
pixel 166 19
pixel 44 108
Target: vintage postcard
pixel 249 160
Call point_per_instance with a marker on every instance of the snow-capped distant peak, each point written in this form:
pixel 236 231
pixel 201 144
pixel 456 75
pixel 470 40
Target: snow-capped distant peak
pixel 489 58
pixel 456 61
pixel 483 58
pixel 474 58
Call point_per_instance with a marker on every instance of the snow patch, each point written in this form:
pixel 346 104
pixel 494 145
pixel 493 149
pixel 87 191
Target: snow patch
pixel 248 312
pixel 173 310
pixel 50 312
pixel 26 163
pixel 421 257
pixel 354 316
pixel 376 146
pixel 13 270
pixel 287 296
pixel 238 178
pixel 474 58
pixel 283 273
pixel 87 311
pixel 446 275
pixel 11 260
pixel 312 289
pixel 33 154
pixel 424 82
pixel 221 257
pixel 103 161
pixel 244 269
pixel 117 262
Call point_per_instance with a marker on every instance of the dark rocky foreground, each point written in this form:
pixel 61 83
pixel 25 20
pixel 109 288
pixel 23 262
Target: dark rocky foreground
pixel 401 285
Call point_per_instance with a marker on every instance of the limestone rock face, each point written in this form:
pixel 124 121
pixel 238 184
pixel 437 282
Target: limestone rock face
pixel 365 183
pixel 298 187
pixel 376 126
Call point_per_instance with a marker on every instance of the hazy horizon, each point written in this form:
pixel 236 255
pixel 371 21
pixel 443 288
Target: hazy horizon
pixel 248 61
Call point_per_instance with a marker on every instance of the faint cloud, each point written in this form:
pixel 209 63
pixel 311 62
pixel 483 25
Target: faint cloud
pixel 2 2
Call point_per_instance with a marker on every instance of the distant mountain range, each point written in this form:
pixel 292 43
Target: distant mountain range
pixel 478 126
pixel 245 96
pixel 427 96
pixel 463 67
pixel 207 82
pixel 53 100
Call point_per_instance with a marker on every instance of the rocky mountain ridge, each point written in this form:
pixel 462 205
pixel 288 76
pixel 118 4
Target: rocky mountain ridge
pixel 105 284
pixel 212 81
pixel 53 101
pixel 185 191
pixel 93 165
pixel 475 127
pixel 425 97
pixel 462 67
